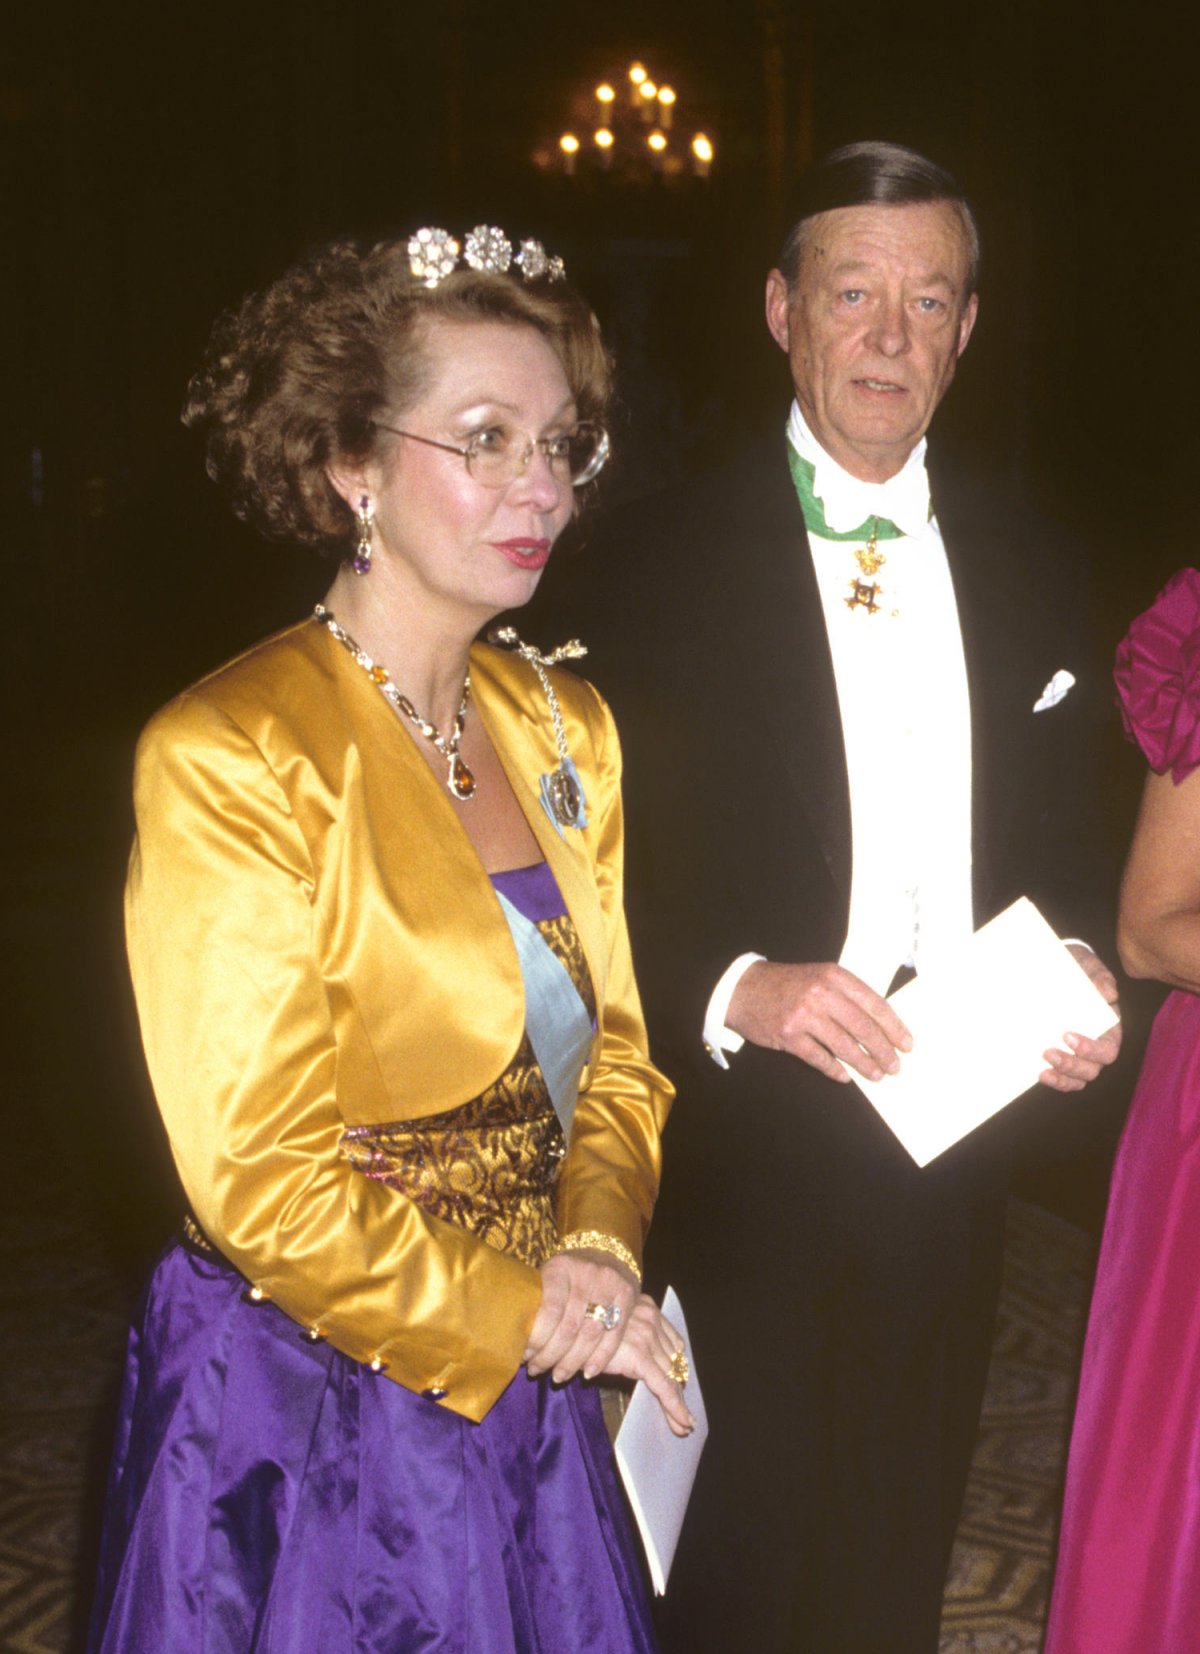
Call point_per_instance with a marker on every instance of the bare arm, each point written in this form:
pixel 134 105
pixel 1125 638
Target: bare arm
pixel 1158 929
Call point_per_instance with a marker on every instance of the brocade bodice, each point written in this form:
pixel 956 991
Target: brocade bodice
pixel 490 1164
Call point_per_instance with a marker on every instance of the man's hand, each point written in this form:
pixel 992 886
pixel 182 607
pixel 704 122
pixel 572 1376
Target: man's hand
pixel 822 1014
pixel 1072 1070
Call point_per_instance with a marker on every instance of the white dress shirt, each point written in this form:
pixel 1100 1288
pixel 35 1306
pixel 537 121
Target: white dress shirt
pixel 902 693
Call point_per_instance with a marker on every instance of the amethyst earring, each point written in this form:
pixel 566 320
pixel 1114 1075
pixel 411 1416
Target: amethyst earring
pixel 364 517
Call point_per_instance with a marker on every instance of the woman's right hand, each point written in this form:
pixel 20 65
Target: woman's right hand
pixel 564 1340
pixel 646 1352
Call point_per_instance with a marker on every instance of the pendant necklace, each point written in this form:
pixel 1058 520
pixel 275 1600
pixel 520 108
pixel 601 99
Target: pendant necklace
pixel 459 779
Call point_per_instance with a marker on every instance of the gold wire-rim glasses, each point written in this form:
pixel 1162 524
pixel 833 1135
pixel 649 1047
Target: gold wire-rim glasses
pixel 497 467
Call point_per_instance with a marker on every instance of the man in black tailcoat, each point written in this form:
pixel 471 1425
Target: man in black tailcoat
pixel 844 687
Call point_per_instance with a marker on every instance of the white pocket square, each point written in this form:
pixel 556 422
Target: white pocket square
pixel 1055 690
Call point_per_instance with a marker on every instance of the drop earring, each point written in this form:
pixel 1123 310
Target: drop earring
pixel 364 517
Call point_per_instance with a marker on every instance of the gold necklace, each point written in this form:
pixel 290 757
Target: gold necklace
pixel 865 590
pixel 459 778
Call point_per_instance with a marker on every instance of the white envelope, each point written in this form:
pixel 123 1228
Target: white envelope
pixel 658 1467
pixel 980 1028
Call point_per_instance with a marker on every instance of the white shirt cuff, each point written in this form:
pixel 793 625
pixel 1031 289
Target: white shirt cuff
pixel 718 1039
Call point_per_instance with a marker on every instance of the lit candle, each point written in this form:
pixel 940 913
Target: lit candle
pixel 604 143
pixel 569 144
pixel 637 75
pixel 658 143
pixel 647 93
pixel 666 106
pixel 702 155
pixel 605 94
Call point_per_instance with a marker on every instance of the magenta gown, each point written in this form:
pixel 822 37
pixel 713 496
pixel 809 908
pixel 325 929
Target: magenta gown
pixel 1128 1579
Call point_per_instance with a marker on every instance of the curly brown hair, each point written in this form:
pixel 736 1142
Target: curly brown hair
pixel 294 377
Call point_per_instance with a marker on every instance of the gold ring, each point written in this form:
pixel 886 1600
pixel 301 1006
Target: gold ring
pixel 679 1369
pixel 608 1315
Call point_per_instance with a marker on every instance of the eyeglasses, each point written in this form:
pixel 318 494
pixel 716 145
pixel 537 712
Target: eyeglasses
pixel 499 454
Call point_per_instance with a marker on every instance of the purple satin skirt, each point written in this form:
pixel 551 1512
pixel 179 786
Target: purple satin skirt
pixel 271 1495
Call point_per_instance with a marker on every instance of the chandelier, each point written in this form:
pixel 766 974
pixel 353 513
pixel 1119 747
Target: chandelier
pixel 629 130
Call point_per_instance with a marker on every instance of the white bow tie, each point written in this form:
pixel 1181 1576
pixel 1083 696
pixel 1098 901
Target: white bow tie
pixel 848 501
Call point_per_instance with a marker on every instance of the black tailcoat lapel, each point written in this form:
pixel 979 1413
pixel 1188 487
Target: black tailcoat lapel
pixel 1017 629
pixel 783 646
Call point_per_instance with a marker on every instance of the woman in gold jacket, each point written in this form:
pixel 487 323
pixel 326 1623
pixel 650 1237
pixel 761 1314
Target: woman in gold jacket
pixel 376 934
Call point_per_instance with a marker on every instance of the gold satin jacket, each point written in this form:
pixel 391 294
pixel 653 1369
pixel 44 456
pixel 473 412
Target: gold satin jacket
pixel 315 945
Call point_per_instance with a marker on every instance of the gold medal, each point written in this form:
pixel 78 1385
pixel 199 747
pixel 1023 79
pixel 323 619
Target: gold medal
pixel 865 590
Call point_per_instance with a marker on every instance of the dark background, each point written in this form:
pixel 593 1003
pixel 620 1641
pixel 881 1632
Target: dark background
pixel 157 162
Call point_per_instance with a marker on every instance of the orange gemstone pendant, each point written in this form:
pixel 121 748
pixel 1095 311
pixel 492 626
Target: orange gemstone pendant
pixel 461 782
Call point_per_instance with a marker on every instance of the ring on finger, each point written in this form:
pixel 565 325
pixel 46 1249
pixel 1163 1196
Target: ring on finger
pixel 608 1315
pixel 679 1369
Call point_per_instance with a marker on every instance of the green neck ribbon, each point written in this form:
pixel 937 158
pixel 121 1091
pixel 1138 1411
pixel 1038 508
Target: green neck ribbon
pixel 803 472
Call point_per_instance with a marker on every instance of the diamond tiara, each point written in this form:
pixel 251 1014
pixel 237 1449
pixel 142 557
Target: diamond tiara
pixel 433 254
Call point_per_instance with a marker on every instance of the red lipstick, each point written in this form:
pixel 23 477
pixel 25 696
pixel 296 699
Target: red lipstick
pixel 525 553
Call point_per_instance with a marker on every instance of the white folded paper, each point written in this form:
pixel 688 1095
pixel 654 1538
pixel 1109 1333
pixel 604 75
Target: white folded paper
pixel 981 1026
pixel 658 1467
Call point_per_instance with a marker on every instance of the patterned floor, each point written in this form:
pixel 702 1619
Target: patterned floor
pixel 64 1304
pixel 996 1596
pixel 64 1314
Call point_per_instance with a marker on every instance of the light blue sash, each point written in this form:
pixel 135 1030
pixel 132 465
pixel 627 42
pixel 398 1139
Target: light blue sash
pixel 556 1019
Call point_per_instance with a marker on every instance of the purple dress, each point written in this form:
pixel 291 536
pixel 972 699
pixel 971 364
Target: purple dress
pixel 270 1495
pixel 1128 1579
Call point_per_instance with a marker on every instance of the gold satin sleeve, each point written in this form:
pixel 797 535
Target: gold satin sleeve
pixel 241 1048
pixel 609 1178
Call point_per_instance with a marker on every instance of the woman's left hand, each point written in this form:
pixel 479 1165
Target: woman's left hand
pixel 564 1338
pixel 651 1352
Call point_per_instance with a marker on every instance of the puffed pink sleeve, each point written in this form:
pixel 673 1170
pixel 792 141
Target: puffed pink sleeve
pixel 1157 674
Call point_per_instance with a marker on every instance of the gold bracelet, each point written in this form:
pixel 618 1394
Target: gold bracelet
pixel 593 1240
